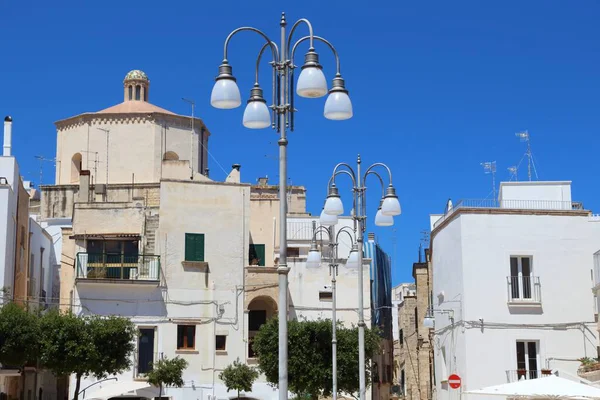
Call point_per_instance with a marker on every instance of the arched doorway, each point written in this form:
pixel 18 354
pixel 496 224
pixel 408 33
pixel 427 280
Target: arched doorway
pixel 260 310
pixel 75 167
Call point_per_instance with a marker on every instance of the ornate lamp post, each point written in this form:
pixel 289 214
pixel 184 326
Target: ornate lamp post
pixel 389 206
pixel 311 83
pixel 313 261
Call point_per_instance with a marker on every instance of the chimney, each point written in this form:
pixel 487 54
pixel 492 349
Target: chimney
pixel 371 237
pixel 263 181
pixel 7 135
pixel 234 175
pixel 84 187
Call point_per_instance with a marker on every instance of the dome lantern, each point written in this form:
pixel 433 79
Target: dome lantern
pixel 136 86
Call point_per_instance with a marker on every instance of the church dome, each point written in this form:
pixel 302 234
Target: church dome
pixel 136 74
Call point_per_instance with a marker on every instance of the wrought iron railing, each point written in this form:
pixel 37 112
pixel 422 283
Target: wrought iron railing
pixel 525 289
pixel 118 267
pixel 511 205
pixel 525 374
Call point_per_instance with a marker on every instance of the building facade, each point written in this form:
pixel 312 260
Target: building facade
pixel 511 293
pixel 190 260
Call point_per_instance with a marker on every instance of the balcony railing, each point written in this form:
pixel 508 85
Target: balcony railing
pixel 511 205
pixel 118 267
pixel 524 289
pixel 524 374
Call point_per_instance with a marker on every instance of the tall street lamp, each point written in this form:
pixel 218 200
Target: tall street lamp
pixel 389 206
pixel 312 84
pixel 314 261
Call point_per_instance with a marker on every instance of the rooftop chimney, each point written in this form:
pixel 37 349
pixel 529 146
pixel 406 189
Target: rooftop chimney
pixel 234 175
pixel 7 136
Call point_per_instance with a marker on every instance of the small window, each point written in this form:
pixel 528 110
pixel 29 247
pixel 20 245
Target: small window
pixel 186 335
pixel 401 338
pixel 130 92
pixel 194 247
pixel 221 342
pixel 293 252
pixel 256 254
pixel 138 92
pixel 325 296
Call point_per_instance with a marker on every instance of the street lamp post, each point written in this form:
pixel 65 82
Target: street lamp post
pixel 389 206
pixel 312 84
pixel 313 261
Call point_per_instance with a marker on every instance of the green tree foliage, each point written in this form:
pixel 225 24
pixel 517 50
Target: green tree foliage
pixel 19 336
pixel 85 345
pixel 310 356
pixel 239 377
pixel 167 372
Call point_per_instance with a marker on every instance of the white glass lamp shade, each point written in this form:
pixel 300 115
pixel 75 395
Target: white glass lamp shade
pixel 314 259
pixel 311 83
pixel 327 220
pixel 257 115
pixel 383 220
pixel 352 261
pixel 391 206
pixel 338 106
pixel 334 206
pixel 225 94
pixel 428 322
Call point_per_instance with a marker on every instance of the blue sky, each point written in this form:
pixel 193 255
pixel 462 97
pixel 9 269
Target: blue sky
pixel 438 87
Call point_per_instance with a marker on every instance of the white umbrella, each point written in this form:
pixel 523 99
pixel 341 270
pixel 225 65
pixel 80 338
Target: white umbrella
pixel 125 389
pixel 551 387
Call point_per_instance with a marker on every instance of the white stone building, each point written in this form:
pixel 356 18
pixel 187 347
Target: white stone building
pixel 511 292
pixel 190 260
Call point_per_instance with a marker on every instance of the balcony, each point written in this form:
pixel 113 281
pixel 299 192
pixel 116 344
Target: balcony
pixel 118 268
pixel 524 374
pixel 524 290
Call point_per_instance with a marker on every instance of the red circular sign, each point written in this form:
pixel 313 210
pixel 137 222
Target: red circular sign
pixel 454 381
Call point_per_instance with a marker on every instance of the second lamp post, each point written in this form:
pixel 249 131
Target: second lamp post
pixel 311 83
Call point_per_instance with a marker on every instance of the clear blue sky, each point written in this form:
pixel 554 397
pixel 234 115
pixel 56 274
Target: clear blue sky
pixel 437 88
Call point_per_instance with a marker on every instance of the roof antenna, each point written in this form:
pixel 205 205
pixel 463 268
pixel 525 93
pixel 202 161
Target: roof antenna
pixel 524 136
pixel 489 167
pixel 513 173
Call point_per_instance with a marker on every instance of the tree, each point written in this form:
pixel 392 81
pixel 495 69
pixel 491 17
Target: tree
pixel 167 372
pixel 310 356
pixel 85 346
pixel 19 336
pixel 238 376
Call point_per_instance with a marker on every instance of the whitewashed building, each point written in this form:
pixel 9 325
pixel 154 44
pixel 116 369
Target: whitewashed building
pixel 511 292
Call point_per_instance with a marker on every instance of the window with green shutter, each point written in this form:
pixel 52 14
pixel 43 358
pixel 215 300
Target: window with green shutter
pixel 256 254
pixel 194 247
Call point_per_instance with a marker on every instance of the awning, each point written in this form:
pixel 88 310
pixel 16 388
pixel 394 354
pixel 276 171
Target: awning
pixel 81 236
pixel 551 387
pixel 124 389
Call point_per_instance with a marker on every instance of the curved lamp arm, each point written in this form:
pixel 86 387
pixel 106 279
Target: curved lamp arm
pixel 310 33
pixel 333 50
pixel 274 49
pixel 380 165
pixel 350 233
pixel 348 171
pixel 260 53
pixel 321 229
pixel 380 180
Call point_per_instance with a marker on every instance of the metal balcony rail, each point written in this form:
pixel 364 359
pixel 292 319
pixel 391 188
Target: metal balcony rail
pixel 524 289
pixel 118 267
pixel 525 374
pixel 511 205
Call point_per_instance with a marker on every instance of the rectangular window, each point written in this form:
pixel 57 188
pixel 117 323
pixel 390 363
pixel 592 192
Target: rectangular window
pixel 293 252
pixel 520 278
pixel 186 335
pixel 221 342
pixel 256 254
pixel 325 296
pixel 527 360
pixel 194 247
pixel 145 356
pixel 401 338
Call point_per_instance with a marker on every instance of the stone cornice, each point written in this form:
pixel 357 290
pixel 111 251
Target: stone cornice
pixel 172 120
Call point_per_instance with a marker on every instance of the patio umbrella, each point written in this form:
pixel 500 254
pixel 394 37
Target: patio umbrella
pixel 551 387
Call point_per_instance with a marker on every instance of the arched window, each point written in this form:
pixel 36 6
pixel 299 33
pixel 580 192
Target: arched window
pixel 75 167
pixel 170 156
pixel 130 92
pixel 146 94
pixel 138 91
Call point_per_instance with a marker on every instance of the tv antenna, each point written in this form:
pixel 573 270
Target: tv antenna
pixel 525 137
pixel 96 161
pixel 107 131
pixel 489 167
pixel 42 160
pixel 513 172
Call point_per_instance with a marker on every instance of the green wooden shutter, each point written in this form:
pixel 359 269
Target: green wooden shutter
pixel 257 251
pixel 194 247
